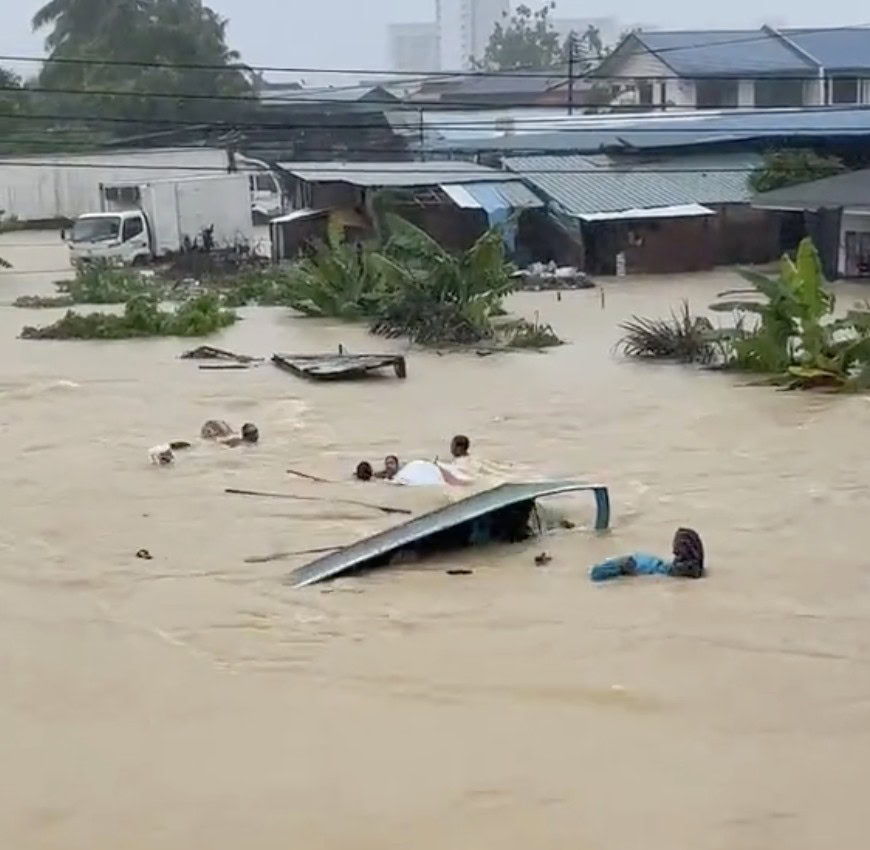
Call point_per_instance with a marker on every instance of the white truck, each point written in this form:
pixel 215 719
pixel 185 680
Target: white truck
pixel 141 222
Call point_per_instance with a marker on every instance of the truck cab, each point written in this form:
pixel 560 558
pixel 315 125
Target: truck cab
pixel 120 237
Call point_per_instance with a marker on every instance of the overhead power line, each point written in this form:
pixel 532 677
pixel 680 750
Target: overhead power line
pixel 391 105
pixel 696 120
pixel 424 168
pixel 748 39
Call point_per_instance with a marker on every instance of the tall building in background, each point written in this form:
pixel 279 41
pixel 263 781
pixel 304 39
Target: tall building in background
pixel 464 29
pixel 414 47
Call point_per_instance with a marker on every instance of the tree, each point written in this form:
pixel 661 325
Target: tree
pixel 160 34
pixel 789 167
pixel 526 41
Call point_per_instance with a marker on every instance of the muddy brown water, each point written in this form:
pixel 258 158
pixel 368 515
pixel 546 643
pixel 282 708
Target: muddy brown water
pixel 194 700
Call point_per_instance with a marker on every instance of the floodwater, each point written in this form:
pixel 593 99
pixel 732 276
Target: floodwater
pixel 196 701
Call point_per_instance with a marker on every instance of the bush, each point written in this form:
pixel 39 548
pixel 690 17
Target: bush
pixel 101 282
pixel 142 317
pixel 434 296
pixel 524 334
pixel 682 337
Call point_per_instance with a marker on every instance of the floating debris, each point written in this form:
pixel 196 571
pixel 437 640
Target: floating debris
pixel 339 367
pixel 542 560
pixel 209 352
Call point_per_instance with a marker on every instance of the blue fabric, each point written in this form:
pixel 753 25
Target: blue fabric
pixel 644 565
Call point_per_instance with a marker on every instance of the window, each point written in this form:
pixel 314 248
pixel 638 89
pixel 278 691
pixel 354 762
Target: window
pixel 779 92
pixel 845 90
pixel 264 183
pixel 716 94
pixel 122 194
pixel 132 227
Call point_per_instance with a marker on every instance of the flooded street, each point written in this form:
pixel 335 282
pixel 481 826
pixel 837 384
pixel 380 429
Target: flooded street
pixel 196 701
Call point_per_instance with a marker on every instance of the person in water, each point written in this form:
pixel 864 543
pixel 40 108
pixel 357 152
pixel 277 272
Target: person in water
pixel 250 436
pixel 688 561
pixel 216 429
pixel 363 471
pixel 459 446
pixel 391 468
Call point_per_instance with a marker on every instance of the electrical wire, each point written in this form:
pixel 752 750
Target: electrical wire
pixel 762 36
pixel 594 122
pixel 432 167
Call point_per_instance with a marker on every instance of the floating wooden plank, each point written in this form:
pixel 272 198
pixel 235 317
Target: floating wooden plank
pixel 339 367
pixel 209 352
pixel 367 552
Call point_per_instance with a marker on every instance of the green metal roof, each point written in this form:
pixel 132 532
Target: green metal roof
pixel 584 185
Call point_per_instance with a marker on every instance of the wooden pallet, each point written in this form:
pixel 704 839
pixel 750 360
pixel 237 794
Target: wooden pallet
pixel 339 367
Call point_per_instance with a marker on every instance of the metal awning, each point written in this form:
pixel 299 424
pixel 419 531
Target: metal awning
pixel 491 196
pixel 678 211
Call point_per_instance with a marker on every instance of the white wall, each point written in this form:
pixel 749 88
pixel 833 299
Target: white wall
pixel 850 222
pixel 66 185
pixel 464 29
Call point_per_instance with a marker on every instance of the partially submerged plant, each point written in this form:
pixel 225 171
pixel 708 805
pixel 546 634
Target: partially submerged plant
pixel 796 339
pixel 682 337
pixel 525 334
pixel 435 296
pixel 338 281
pixel 142 317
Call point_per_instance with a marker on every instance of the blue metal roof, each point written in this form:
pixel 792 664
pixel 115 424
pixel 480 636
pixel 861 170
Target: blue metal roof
pixel 492 197
pixel 694 53
pixel 843 49
pixel 584 185
pixel 699 128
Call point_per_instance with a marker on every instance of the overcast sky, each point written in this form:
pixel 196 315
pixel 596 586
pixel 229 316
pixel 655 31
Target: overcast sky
pixel 352 33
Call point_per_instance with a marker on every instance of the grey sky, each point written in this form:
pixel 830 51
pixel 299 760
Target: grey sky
pixel 351 33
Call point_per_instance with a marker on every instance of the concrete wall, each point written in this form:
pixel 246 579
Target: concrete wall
pixel 67 185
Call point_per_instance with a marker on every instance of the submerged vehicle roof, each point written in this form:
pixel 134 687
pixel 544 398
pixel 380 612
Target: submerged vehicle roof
pixel 385 542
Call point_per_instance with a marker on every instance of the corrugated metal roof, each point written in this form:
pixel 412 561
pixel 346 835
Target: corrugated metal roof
pixel 850 190
pixel 726 52
pixel 512 195
pixel 675 130
pixel 373 174
pixel 599 184
pixel 677 211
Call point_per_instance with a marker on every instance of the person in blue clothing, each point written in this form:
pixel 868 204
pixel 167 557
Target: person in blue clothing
pixel 688 561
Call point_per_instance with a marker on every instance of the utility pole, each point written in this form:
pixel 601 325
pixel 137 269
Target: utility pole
pixel 572 53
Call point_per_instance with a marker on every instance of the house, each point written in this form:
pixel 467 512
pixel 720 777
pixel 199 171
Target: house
pixel 455 202
pixel 655 214
pixel 727 69
pixel 836 213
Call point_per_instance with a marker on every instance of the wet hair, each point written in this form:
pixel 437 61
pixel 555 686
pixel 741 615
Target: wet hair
pixel 250 433
pixel 391 459
pixel 688 554
pixel 460 445
pixel 364 471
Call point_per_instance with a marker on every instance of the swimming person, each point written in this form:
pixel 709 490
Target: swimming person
pixel 216 429
pixel 391 468
pixel 250 436
pixel 459 446
pixel 363 471
pixel 688 561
